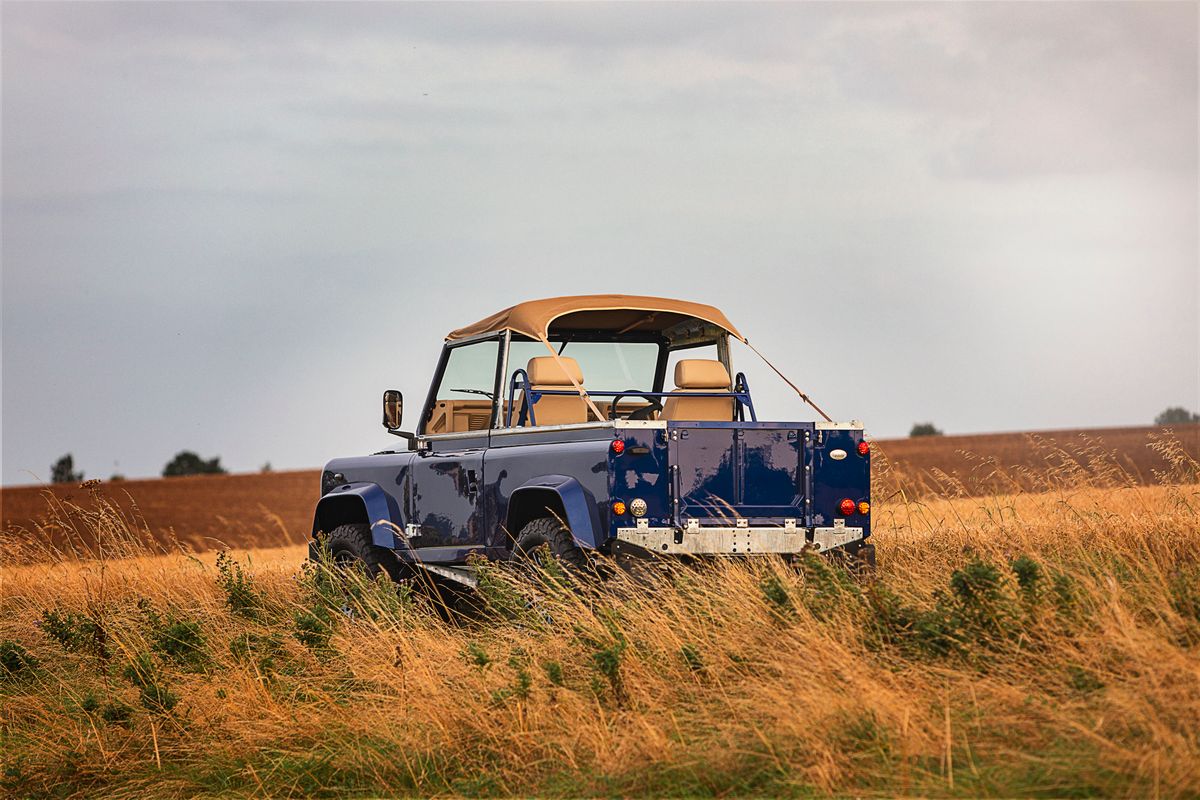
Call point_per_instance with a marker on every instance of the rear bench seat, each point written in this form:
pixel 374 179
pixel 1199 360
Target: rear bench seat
pixel 700 375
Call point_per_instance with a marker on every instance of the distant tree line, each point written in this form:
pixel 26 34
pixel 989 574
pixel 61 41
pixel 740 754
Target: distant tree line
pixel 186 462
pixel 1176 415
pixel 63 471
pixel 924 429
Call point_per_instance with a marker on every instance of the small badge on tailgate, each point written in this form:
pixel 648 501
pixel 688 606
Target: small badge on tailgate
pixel 837 455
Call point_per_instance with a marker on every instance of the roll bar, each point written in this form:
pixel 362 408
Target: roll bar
pixel 520 381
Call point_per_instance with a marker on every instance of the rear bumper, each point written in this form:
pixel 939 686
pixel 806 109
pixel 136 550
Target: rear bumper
pixel 737 540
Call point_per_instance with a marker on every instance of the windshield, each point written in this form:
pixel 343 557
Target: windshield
pixel 606 366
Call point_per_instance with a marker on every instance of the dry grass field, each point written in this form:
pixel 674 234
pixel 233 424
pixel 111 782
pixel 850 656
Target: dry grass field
pixel 1019 644
pixel 983 464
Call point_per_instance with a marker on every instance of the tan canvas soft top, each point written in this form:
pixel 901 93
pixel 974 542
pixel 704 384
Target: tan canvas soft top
pixel 617 312
pixel 622 313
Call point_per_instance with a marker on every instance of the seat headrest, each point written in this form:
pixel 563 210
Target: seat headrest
pixel 701 373
pixel 549 371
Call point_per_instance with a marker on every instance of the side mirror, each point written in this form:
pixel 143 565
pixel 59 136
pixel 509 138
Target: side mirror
pixel 393 412
pixel 393 409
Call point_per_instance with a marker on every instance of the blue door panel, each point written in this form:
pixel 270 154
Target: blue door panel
pixel 446 488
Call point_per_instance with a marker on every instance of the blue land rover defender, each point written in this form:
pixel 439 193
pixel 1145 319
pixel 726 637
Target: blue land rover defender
pixel 551 423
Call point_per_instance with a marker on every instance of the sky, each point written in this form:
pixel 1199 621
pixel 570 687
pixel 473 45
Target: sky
pixel 228 227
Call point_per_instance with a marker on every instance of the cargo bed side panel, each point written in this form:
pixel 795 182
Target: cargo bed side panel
pixel 834 479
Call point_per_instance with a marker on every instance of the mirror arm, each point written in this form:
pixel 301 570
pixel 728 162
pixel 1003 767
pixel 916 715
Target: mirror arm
pixel 411 438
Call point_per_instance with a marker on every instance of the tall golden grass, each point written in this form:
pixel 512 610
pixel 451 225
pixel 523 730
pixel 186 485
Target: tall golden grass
pixel 1011 645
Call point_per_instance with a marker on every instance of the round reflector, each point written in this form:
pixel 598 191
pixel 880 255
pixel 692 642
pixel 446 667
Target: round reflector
pixel 864 507
pixel 618 446
pixel 863 448
pixel 618 508
pixel 846 507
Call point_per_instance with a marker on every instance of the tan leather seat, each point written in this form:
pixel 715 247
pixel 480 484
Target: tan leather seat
pixel 556 409
pixel 700 375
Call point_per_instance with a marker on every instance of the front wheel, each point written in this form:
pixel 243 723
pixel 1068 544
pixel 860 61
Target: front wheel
pixel 350 547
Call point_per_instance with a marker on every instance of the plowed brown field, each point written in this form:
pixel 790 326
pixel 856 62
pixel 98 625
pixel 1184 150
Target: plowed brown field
pixel 204 512
pixel 266 510
pixel 1006 462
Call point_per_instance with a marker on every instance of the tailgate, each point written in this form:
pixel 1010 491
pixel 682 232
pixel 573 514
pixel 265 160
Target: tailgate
pixel 722 472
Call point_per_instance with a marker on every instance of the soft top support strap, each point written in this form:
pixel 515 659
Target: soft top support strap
pixel 578 387
pixel 803 396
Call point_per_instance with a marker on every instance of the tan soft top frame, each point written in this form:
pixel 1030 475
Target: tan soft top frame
pixel 619 313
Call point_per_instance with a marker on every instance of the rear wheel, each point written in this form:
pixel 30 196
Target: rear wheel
pixel 350 547
pixel 547 534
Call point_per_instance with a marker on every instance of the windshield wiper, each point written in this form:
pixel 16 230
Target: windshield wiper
pixel 488 395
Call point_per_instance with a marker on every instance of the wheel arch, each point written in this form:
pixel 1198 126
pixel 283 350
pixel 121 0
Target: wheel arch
pixel 562 496
pixel 364 503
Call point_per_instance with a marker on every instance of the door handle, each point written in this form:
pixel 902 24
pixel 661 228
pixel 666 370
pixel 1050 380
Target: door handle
pixel 472 485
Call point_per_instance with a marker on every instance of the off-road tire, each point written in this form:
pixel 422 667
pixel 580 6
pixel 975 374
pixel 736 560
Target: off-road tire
pixel 549 531
pixel 351 544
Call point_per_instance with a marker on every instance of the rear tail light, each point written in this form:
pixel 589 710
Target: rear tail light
pixel 618 446
pixel 863 448
pixel 846 507
pixel 864 508
pixel 618 508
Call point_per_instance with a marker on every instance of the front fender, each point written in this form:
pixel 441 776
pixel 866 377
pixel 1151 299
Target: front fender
pixel 579 505
pixel 364 503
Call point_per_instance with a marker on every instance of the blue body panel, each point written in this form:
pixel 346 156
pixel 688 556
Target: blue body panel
pixel 836 480
pixel 579 508
pixel 576 470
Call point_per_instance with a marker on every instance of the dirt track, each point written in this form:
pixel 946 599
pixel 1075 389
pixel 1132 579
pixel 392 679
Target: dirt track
pixel 267 510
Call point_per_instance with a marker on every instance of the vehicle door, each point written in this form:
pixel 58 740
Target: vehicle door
pixel 454 433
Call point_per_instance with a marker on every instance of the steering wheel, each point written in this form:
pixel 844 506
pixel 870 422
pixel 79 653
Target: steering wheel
pixel 642 413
